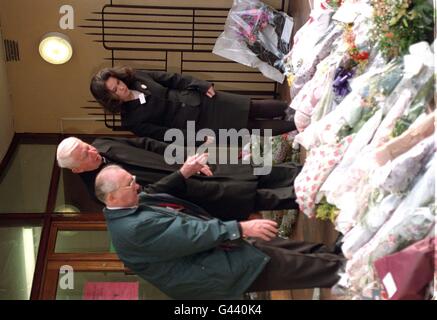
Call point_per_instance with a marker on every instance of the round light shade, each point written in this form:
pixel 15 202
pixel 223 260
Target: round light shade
pixel 55 48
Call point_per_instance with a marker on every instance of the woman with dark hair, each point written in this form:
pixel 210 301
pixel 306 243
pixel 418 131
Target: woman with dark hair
pixel 151 102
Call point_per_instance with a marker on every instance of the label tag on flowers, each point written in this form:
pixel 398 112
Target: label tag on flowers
pixel 286 32
pixel 142 98
pixel 389 284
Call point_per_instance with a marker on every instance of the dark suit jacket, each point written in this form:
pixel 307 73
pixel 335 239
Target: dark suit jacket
pixel 173 99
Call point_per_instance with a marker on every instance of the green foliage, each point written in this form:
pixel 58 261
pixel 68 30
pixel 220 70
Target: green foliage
pixel 401 23
pixel 326 211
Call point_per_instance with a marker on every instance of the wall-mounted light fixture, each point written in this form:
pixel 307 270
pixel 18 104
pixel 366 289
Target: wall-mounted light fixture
pixel 55 48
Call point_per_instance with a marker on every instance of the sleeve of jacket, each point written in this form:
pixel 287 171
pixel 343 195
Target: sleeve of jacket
pixel 146 143
pixel 179 236
pixel 178 81
pixel 157 132
pixel 173 184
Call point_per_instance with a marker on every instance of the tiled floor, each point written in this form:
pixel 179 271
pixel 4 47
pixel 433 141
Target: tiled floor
pixel 312 230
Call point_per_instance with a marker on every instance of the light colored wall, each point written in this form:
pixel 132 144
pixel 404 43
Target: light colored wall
pixel 6 118
pixel 45 95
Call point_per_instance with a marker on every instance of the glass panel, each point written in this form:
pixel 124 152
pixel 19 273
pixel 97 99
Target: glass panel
pixel 85 241
pixel 25 185
pixel 18 253
pixel 107 286
pixel 73 196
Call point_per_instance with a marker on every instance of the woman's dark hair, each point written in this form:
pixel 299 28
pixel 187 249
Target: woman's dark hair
pixel 106 98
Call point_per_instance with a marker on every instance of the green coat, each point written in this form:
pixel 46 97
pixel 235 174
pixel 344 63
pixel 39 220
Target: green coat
pixel 181 254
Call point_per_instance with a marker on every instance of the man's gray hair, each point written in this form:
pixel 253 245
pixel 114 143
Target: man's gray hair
pixel 106 182
pixel 64 153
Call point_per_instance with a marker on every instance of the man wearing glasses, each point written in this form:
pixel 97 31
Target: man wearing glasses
pixel 188 254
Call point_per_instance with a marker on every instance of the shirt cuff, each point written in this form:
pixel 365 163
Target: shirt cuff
pixel 233 229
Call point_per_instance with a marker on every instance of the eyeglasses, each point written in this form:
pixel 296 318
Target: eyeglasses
pixel 130 185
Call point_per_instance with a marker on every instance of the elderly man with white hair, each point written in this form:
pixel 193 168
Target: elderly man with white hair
pixel 228 191
pixel 178 247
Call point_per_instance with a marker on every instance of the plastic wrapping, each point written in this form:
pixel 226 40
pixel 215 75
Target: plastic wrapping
pixel 316 97
pixel 361 139
pixel 305 39
pixel 342 185
pixel 396 176
pixel 318 165
pixel 416 109
pixel 313 58
pixel 282 150
pixel 257 36
pixel 346 218
pixel 369 225
pixel 352 195
pixel 410 222
pixel 414 227
pixel 370 88
pixel 382 135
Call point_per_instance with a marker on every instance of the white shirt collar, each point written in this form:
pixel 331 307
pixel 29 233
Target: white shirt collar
pixel 120 208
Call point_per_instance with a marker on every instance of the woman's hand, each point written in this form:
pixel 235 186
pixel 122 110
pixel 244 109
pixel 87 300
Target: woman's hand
pixel 210 93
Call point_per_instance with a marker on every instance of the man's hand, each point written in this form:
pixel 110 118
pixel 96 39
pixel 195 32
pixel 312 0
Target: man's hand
pixel 211 92
pixel 195 164
pixel 209 140
pixel 260 228
pixel 206 171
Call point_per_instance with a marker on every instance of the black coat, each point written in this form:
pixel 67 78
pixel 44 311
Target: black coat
pixel 233 192
pixel 173 99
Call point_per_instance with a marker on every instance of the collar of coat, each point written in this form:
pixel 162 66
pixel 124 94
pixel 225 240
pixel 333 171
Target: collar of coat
pixel 115 213
pixel 111 214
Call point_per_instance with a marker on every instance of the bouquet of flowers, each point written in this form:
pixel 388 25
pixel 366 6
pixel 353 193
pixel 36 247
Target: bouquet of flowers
pixel 318 25
pixel 258 36
pixel 368 90
pixel 282 150
pixel 412 221
pixel 318 165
